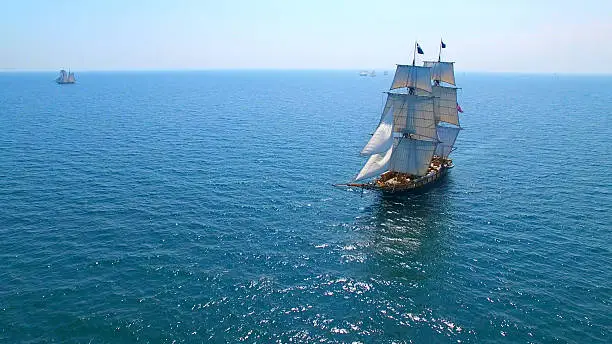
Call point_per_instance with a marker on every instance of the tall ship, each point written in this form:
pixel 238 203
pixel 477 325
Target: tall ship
pixel 65 78
pixel 410 148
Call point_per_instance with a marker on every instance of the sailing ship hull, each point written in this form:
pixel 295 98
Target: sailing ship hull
pixel 418 185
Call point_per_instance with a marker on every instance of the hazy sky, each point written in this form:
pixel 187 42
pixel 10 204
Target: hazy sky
pixel 505 36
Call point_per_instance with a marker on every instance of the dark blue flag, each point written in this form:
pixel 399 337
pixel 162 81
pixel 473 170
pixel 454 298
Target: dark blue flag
pixel 419 50
pixel 443 45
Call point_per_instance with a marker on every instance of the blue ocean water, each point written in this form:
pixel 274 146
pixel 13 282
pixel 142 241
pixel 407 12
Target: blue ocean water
pixel 191 207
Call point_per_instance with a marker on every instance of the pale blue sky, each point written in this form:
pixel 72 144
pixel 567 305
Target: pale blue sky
pixel 497 36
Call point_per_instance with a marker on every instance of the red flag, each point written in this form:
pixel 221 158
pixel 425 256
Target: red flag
pixel 459 108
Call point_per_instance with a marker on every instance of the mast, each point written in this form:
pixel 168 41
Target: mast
pixel 445 104
pixel 416 45
pixel 437 82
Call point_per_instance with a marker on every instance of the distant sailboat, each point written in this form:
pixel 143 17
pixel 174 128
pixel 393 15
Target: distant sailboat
pixel 363 73
pixel 373 73
pixel 65 78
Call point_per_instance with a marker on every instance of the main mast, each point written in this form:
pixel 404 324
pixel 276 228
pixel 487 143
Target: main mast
pixel 416 46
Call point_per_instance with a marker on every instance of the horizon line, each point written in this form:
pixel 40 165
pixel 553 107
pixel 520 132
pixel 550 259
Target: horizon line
pixel 46 70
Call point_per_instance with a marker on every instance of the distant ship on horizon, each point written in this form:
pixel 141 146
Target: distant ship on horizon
pixel 371 73
pixel 65 78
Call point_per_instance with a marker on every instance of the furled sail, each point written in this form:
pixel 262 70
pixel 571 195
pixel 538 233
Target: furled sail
pixel 412 156
pixel 412 76
pixel 412 114
pixel 447 137
pixel 382 139
pixel 445 104
pixel 377 164
pixel 441 71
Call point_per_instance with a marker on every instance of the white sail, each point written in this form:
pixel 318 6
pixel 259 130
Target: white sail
pixel 377 164
pixel 441 71
pixel 62 76
pixel 445 104
pixel 412 76
pixel 382 139
pixel 70 77
pixel 412 114
pixel 447 137
pixel 412 156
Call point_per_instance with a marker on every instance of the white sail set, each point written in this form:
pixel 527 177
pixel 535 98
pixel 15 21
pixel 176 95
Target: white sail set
pixel 416 125
pixel 65 78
